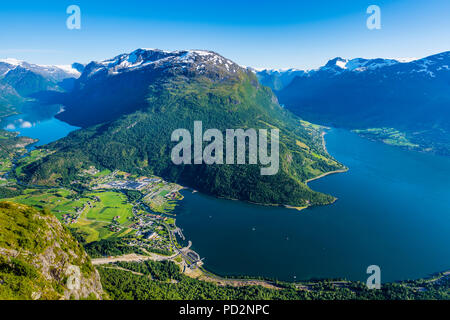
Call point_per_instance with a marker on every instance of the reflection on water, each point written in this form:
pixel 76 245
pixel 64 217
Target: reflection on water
pixel 38 122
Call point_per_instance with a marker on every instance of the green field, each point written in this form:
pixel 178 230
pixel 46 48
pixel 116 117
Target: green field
pixel 94 221
pixel 57 200
pixel 389 136
pixel 163 193
pixel 102 173
pixel 112 204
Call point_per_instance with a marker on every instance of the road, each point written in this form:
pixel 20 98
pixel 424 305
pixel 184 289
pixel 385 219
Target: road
pixel 132 257
pixel 193 273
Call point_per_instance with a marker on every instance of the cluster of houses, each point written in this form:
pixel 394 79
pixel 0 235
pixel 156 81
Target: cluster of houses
pixel 139 184
pixel 149 180
pixel 127 184
pixel 69 218
pixel 92 171
pixel 115 225
pixel 172 195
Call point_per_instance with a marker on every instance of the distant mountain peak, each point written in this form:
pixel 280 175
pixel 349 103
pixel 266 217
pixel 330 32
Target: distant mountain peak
pixel 338 61
pixel 358 64
pixel 430 67
pixel 54 72
pixel 12 61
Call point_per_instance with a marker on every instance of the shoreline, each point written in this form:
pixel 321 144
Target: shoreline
pixel 345 169
pixel 327 174
pixel 203 274
pixel 324 144
pixel 287 206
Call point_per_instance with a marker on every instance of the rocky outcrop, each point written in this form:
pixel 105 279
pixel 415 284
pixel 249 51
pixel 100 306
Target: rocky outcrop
pixel 39 258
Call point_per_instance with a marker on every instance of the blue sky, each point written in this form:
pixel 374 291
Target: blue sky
pixel 275 34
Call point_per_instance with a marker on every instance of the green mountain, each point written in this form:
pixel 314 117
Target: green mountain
pixel 27 82
pixel 12 145
pixel 39 258
pixel 130 105
pixel 9 99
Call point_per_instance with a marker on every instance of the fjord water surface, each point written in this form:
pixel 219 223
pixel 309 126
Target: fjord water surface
pixel 38 122
pixel 393 210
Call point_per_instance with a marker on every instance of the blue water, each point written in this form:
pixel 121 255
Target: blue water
pixel 393 211
pixel 38 122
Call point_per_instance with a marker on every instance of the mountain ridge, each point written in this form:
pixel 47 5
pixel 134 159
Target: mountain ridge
pixel 340 65
pixel 22 82
pixel 412 98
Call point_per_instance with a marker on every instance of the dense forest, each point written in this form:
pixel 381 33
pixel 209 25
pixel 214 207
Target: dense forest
pixel 163 280
pixel 140 142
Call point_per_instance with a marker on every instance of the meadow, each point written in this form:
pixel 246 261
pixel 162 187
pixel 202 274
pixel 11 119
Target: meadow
pixel 100 209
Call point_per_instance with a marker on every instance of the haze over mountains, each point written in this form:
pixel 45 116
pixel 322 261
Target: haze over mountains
pixel 277 79
pixel 412 97
pixel 20 80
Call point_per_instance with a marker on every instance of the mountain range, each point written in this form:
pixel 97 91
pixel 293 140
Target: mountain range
pixel 20 82
pixel 412 97
pixel 127 107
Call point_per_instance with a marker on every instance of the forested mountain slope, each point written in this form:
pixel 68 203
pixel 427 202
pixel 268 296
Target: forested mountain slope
pixel 131 104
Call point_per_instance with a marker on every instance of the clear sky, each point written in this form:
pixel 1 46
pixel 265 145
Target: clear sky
pixel 258 33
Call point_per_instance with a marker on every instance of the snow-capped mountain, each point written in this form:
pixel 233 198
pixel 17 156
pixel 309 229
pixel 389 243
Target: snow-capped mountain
pixel 119 85
pixel 197 61
pixel 277 79
pixel 54 73
pixel 413 97
pixel 428 67
pixel 20 81
pixel 358 65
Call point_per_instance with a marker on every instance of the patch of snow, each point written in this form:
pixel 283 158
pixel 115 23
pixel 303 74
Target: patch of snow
pixel 342 64
pixel 202 52
pixel 11 61
pixel 69 69
pixel 405 60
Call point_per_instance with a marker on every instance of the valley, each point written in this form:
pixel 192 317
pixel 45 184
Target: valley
pixel 109 211
pixel 110 182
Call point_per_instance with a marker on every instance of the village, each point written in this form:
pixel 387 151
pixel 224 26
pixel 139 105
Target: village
pixel 146 223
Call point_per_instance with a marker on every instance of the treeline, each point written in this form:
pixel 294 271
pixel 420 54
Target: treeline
pixel 10 192
pixel 110 247
pixel 124 285
pixel 162 271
